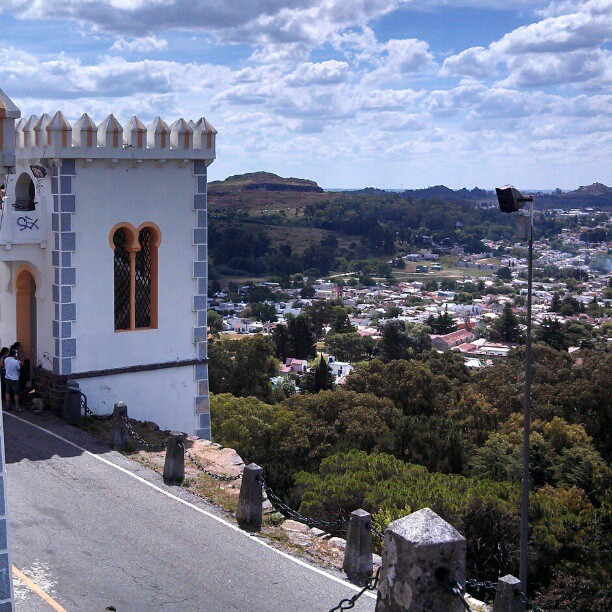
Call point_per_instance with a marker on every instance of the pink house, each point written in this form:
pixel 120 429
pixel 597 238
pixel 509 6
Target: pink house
pixel 297 366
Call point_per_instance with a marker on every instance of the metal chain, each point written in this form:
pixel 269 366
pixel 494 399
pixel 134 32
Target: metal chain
pixel 287 511
pixel 349 603
pixel 86 411
pixel 85 408
pixel 482 586
pixel 204 470
pixel 452 586
pixel 140 439
pixel 490 588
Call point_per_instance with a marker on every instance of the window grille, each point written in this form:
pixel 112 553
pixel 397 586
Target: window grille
pixel 122 281
pixel 143 279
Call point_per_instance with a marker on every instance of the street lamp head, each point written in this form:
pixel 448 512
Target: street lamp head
pixel 511 199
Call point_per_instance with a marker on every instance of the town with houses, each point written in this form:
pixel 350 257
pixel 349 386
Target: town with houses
pixel 430 292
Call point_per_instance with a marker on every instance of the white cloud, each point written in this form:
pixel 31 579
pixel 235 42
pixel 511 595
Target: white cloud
pixel 319 85
pixel 473 62
pixel 398 59
pixel 557 69
pixel 582 30
pixel 564 48
pixel 140 45
pixel 255 21
pixel 330 72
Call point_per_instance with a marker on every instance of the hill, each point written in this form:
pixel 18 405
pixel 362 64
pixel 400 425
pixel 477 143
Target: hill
pixel 263 181
pixel 596 195
pixel 264 225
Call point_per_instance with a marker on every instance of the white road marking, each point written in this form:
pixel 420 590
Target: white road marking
pixel 196 508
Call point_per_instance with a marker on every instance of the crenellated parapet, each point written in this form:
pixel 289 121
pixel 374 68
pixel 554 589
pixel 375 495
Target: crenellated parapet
pixel 52 137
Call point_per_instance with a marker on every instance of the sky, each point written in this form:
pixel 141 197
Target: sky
pixel 349 93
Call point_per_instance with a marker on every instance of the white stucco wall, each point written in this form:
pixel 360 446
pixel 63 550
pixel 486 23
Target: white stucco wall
pixel 163 396
pixel 107 194
pixel 38 260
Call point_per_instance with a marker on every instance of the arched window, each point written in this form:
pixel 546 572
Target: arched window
pixel 135 268
pixel 122 280
pixel 143 279
pixel 25 193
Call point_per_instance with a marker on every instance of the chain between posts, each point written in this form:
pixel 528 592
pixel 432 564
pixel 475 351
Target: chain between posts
pixel 87 412
pixel 490 588
pixel 134 434
pixel 287 511
pixel 452 586
pixel 202 469
pixel 349 603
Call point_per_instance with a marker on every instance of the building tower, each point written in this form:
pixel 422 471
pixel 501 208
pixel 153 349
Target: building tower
pixel 103 251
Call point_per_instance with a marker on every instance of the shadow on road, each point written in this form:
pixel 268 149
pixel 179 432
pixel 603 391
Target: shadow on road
pixel 22 441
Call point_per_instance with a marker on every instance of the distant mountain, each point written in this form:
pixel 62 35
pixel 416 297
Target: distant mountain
pixel 262 181
pixel 234 190
pixel 595 195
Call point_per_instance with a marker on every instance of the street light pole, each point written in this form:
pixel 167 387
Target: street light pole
pixel 525 484
pixel 511 200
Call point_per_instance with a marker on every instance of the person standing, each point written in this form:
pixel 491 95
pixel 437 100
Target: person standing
pixel 12 367
pixel 3 355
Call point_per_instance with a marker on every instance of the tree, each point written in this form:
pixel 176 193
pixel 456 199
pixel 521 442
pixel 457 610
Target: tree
pixel 555 305
pixel 263 311
pixel 307 292
pixel 506 327
pixel 392 311
pixel 411 385
pixel 577 333
pixel 394 342
pixel 561 455
pixel 419 339
pixel 214 287
pixel 504 273
pixel 331 313
pixel 570 306
pixel 282 341
pixel 215 322
pixel 551 332
pixel 243 367
pixel 320 378
pixel 346 347
pixel 301 336
pixel 341 323
pixel 442 324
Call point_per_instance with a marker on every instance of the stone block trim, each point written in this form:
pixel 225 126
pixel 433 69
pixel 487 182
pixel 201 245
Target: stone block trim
pixel 64 275
pixel 200 300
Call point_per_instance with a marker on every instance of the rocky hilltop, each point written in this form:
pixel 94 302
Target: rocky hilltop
pixel 262 181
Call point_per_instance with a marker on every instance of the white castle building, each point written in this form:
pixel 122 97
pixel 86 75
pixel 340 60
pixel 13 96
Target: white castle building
pixel 103 273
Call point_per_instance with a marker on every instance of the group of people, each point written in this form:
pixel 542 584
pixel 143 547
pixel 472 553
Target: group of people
pixel 10 371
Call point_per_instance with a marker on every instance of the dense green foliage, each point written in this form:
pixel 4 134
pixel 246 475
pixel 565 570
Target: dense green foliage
pixel 242 367
pixel 424 431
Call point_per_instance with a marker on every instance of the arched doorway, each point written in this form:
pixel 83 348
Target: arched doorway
pixel 26 319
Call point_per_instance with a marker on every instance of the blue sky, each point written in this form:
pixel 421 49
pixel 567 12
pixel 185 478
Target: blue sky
pixel 350 93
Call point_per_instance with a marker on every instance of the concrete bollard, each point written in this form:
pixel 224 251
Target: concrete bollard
pixel 249 509
pixel 121 435
pixel 174 465
pixel 509 597
pixel 420 552
pixel 358 551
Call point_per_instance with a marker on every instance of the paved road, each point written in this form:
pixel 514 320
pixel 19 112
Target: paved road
pixel 94 535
